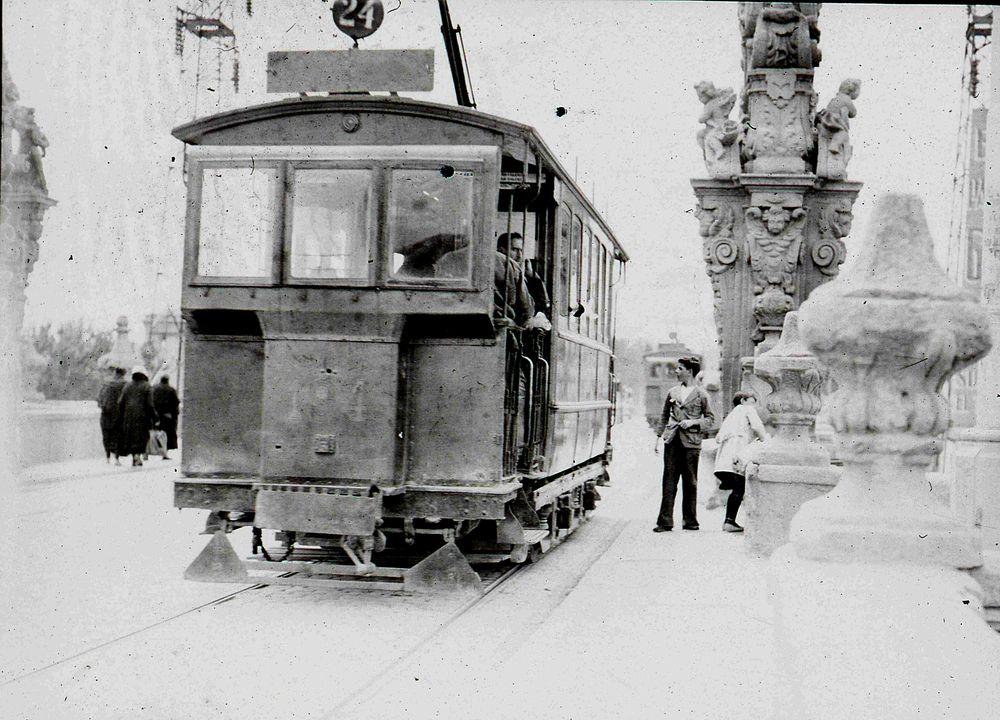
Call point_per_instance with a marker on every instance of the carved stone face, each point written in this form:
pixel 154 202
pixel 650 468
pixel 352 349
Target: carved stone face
pixel 776 219
pixel 843 217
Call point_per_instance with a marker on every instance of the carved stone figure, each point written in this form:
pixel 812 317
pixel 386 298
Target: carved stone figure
pixel 774 234
pixel 833 126
pixel 31 148
pixel 780 34
pixel 719 137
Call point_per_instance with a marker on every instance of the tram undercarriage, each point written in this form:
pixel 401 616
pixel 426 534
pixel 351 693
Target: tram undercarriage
pixel 409 539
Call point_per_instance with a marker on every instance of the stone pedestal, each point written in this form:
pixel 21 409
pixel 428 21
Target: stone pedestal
pixel 880 640
pixel 873 616
pixel 790 467
pixel 891 332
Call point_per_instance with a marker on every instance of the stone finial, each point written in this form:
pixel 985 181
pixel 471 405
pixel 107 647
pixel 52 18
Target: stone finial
pixel 833 127
pixel 795 377
pixel 892 329
pixel 790 467
pixel 719 138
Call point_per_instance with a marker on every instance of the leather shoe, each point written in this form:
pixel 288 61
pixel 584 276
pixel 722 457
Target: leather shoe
pixel 692 527
pixel 660 528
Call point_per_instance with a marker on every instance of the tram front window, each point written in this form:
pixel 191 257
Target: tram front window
pixel 236 226
pixel 430 224
pixel 331 227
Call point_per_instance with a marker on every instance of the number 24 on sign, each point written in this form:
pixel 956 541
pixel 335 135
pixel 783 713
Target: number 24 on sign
pixel 361 14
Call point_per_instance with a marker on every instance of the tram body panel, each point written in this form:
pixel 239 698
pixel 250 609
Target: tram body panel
pixel 329 409
pixel 222 396
pixel 455 412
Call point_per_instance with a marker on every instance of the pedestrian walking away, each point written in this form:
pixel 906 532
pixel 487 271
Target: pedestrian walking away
pixel 136 416
pixel 737 434
pixel 107 400
pixel 687 415
pixel 167 406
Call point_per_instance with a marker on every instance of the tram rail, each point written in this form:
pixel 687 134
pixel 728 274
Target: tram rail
pixel 493 576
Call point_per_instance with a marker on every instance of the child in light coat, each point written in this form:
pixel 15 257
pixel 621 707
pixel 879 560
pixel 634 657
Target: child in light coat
pixel 740 428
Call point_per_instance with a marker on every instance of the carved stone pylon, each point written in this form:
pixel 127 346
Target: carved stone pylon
pixel 772 222
pixel 891 331
pixel 790 467
pixel 23 202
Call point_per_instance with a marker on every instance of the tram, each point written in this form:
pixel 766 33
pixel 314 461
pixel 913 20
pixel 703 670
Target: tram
pixel 350 381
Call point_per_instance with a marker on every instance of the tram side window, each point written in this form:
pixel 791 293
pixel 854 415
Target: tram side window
pixel 430 224
pixel 602 294
pixel 237 222
pixel 574 273
pixel 563 299
pixel 586 283
pixel 331 224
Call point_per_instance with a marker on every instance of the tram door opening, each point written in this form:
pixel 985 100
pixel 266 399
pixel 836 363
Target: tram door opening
pixel 522 219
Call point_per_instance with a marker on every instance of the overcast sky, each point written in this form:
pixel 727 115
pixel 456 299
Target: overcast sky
pixel 108 87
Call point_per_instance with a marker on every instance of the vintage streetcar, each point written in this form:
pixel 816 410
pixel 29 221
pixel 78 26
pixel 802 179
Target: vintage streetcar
pixel 353 378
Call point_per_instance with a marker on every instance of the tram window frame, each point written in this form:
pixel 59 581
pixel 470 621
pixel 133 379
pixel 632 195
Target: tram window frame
pixel 602 294
pixel 476 170
pixel 196 203
pixel 587 284
pixel 576 252
pixel 562 298
pixel 376 193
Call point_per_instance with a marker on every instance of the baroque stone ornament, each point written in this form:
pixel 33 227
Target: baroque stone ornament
pixel 834 220
pixel 715 225
pixel 891 330
pixel 780 34
pixel 790 467
pixel 719 138
pixel 833 127
pixel 775 227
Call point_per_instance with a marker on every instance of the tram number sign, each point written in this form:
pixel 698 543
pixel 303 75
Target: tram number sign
pixel 358 18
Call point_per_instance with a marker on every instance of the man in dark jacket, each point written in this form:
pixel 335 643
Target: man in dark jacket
pixel 686 415
pixel 166 403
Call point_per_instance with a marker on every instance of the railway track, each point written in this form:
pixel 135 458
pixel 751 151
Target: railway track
pixel 493 576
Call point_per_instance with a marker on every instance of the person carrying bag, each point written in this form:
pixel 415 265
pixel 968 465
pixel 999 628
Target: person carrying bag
pixel 157 444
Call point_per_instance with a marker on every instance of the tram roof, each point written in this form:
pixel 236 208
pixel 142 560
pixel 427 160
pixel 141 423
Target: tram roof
pixel 192 133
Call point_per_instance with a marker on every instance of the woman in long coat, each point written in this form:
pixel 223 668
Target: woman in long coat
pixel 107 400
pixel 136 415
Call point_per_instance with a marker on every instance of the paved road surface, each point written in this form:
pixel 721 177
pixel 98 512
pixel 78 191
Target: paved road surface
pixel 617 622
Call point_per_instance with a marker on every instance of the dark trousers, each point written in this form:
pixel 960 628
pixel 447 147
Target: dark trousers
pixel 679 461
pixel 739 485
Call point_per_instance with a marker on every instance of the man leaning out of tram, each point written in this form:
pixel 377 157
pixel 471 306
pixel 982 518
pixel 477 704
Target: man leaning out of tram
pixel 512 292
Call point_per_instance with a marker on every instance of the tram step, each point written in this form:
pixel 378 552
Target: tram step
pixel 535 535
